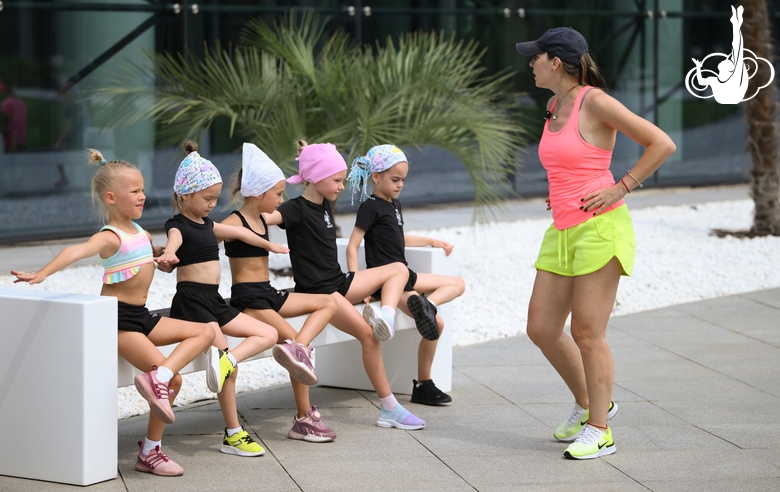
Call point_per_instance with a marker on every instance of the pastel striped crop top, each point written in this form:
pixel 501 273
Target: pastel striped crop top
pixel 574 168
pixel 134 251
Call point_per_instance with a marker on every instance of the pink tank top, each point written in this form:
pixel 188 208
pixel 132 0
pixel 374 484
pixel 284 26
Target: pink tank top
pixel 574 169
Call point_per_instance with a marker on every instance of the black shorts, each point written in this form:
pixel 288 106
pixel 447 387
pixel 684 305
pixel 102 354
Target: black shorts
pixel 340 284
pixel 136 318
pixel 409 284
pixel 257 295
pixel 201 303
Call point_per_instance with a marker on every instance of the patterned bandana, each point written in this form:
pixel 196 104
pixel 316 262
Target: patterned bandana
pixel 195 174
pixel 317 162
pixel 378 159
pixel 259 173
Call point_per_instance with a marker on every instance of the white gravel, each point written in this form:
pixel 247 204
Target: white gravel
pixel 677 261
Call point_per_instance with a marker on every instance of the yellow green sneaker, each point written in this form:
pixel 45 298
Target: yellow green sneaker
pixel 571 428
pixel 218 365
pixel 591 443
pixel 241 444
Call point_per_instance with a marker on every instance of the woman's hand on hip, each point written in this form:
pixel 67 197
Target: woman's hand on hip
pixel 601 200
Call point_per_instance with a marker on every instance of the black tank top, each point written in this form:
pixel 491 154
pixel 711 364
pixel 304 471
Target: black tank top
pixel 240 249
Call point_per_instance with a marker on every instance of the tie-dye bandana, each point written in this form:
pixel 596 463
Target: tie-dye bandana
pixel 195 174
pixel 378 159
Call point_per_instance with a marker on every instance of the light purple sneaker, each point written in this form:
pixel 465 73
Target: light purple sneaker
pixel 400 418
pixel 382 328
pixel 157 394
pixel 310 428
pixel 296 359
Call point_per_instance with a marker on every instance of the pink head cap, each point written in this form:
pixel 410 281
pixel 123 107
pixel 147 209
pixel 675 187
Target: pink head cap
pixel 317 162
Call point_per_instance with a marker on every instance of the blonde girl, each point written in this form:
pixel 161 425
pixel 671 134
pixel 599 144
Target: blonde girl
pixel 261 184
pixel 380 221
pixel 311 234
pixel 126 252
pixel 192 249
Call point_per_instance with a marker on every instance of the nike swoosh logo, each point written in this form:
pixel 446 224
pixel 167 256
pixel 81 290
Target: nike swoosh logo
pixel 602 445
pixel 583 423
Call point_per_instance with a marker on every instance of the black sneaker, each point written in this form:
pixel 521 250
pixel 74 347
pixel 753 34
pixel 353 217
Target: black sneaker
pixel 424 316
pixel 428 394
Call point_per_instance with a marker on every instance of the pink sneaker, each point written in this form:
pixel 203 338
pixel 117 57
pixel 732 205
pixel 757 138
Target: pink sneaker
pixel 296 359
pixel 157 394
pixel 157 463
pixel 311 428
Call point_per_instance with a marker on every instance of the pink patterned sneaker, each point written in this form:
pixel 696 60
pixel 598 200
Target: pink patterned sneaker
pixel 157 394
pixel 310 428
pixel 296 359
pixel 157 463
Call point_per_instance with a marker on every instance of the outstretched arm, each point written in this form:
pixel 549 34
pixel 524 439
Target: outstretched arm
pixel 223 232
pixel 274 218
pixel 169 252
pixel 104 243
pixel 427 241
pixel 352 248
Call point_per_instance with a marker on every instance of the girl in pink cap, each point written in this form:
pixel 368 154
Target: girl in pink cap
pixel 127 254
pixel 311 235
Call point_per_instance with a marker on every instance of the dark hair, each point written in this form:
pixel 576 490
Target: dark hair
pixel 586 73
pixel 105 177
pixel 189 146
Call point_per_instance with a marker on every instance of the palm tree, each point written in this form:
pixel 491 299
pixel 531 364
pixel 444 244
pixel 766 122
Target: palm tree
pixel 763 138
pixel 286 82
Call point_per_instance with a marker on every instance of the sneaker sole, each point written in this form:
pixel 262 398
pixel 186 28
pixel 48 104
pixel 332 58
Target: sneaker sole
pixel 212 370
pixel 298 370
pixel 429 402
pixel 382 331
pixel 605 451
pixel 238 452
pixel 164 414
pixel 144 469
pixel 309 437
pixel 427 328
pixel 387 423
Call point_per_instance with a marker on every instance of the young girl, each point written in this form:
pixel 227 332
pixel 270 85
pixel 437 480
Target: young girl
pixel 192 248
pixel 126 253
pixel 311 235
pixel 261 183
pixel 380 221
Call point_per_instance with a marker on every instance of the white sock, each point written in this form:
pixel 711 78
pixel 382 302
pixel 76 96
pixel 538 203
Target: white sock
pixel 389 402
pixel 390 312
pixel 231 432
pixel 232 359
pixel 149 446
pixel 164 374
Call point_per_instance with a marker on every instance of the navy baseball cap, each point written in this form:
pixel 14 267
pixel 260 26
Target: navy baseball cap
pixel 563 42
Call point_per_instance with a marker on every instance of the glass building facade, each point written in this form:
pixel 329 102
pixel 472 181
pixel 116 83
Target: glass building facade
pixel 53 54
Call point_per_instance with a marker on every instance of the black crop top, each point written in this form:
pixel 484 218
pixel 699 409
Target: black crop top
pixel 240 249
pixel 199 243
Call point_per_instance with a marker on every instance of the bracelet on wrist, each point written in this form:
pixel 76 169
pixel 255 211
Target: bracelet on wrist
pixel 628 173
pixel 624 184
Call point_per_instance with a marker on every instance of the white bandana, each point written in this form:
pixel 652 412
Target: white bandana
pixel 260 173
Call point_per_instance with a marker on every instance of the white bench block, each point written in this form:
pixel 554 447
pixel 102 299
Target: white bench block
pixel 58 370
